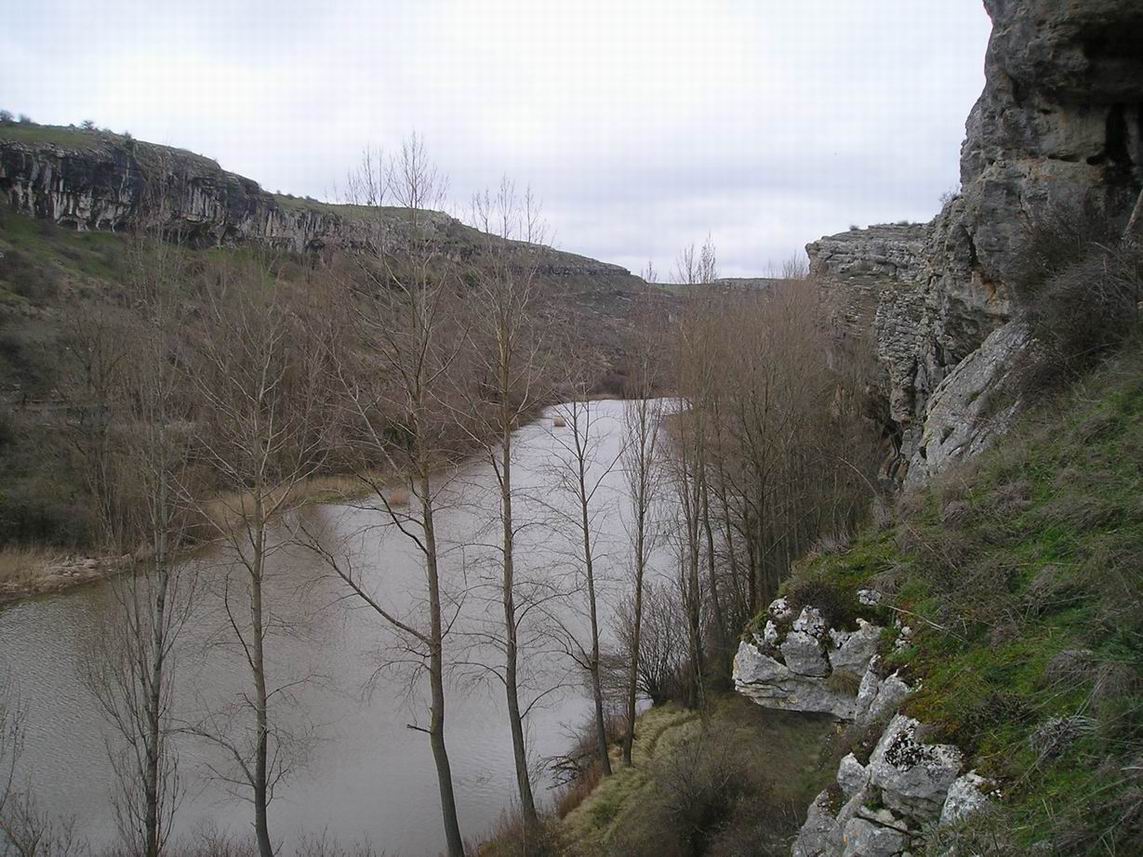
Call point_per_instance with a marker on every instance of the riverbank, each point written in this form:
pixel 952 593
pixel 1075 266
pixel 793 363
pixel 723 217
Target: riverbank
pixel 33 571
pixel 740 776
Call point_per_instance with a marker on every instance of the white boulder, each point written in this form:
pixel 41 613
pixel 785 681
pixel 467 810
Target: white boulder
pixel 967 796
pixel 914 778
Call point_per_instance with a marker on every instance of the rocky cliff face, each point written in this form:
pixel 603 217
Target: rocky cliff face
pixel 91 180
pixel 1059 125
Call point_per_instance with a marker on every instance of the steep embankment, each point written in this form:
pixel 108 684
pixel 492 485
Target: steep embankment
pixel 95 181
pixel 984 642
pixel 1058 128
pixel 1010 593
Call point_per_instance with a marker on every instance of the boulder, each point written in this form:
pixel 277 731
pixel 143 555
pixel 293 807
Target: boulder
pixel 805 655
pixel 852 776
pixel 868 597
pixel 967 796
pixel 780 610
pixel 853 650
pixel 811 622
pixel 820 836
pixel 914 778
pixel 863 838
pixel 878 699
pixel 772 684
pixel 770 635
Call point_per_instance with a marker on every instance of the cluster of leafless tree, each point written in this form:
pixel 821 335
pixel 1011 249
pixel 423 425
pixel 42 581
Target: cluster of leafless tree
pixel 227 393
pixel 771 449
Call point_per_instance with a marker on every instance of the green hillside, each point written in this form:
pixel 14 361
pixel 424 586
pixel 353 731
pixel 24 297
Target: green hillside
pixel 1022 577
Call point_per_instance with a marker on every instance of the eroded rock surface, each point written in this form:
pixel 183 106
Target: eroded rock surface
pixel 1058 126
pixel 801 664
pixel 913 777
pixel 974 405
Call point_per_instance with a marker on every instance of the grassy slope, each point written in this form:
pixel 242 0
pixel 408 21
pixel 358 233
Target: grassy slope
pixel 1008 567
pixel 633 812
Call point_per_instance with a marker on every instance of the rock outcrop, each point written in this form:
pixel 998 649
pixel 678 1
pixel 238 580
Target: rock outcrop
pixel 882 801
pixel 801 664
pixel 93 180
pixel 880 809
pixel 1059 126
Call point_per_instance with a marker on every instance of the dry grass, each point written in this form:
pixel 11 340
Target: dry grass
pixel 225 512
pixel 28 571
pixel 638 810
pixel 20 566
pixel 577 791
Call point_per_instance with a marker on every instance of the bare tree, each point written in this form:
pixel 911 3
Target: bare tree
pixel 582 472
pixel 642 417
pixel 510 363
pixel 400 418
pixel 261 378
pixel 133 681
pixel 695 372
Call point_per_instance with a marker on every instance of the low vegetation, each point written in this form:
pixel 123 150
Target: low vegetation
pixel 732 780
pixel 1019 573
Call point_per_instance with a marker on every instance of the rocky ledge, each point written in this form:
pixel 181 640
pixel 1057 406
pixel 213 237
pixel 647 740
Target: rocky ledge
pixel 92 180
pixel 881 803
pixel 798 663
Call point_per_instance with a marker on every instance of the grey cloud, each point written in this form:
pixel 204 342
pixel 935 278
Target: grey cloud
pixel 643 124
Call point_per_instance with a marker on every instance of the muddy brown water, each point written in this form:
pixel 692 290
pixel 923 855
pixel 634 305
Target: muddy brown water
pixel 360 772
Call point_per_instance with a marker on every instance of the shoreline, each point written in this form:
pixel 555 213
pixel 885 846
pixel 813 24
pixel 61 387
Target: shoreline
pixel 29 572
pixel 32 571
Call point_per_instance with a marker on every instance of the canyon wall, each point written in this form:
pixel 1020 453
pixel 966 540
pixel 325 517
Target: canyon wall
pixel 1058 127
pixel 95 180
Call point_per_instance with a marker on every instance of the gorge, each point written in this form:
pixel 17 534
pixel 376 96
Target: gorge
pixel 895 507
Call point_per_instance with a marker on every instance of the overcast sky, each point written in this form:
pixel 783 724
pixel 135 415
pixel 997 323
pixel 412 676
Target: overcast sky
pixel 643 125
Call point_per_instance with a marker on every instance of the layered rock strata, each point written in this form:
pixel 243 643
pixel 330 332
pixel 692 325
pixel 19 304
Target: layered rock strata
pixel 1058 127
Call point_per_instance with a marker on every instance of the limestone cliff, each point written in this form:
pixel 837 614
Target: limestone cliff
pixel 94 180
pixel 1058 125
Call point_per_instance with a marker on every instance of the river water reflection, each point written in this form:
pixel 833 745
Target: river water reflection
pixel 365 775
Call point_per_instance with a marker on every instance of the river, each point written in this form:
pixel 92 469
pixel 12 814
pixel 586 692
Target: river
pixel 359 771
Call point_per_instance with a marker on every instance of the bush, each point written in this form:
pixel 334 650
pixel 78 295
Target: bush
pixel 38 283
pixel 1079 289
pixel 834 600
pixel 513 838
pixel 697 789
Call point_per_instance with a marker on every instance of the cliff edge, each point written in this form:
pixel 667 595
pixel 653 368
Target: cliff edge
pixel 1058 127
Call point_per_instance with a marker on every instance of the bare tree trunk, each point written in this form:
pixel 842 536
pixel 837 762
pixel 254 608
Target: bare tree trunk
pixel 643 429
pixel 511 645
pixel 407 352
pixel 589 570
pixel 436 677
pixel 720 629
pixel 261 695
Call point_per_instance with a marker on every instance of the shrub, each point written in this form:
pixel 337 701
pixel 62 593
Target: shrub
pixel 834 600
pixel 696 791
pixel 1079 288
pixel 512 837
